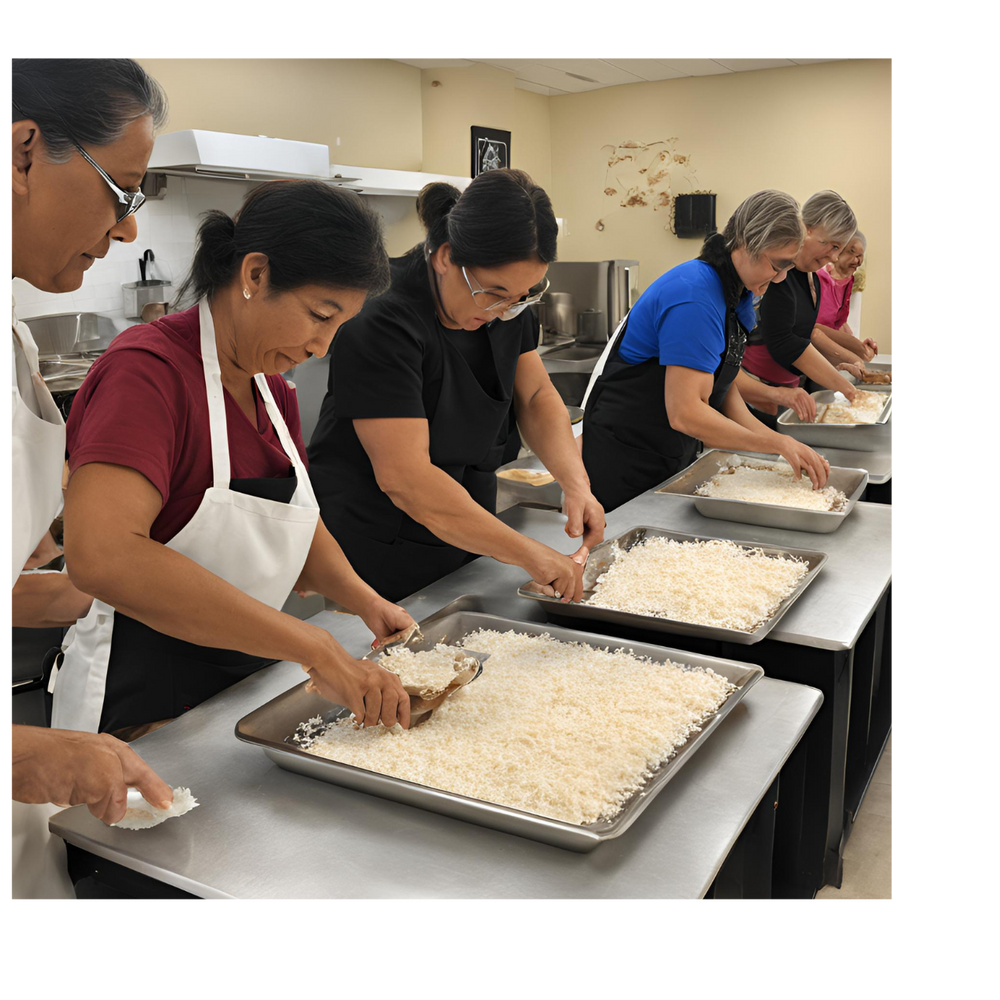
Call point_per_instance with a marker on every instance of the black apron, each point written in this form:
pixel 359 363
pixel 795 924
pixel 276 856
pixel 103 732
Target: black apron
pixel 628 444
pixel 152 676
pixel 400 556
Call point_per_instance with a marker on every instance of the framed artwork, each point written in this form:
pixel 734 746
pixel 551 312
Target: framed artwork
pixel 490 149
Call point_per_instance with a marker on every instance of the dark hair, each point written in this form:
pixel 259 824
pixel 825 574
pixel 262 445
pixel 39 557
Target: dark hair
pixel 311 233
pixel 91 101
pixel 500 218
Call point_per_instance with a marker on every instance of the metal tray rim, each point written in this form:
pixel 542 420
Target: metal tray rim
pixel 689 628
pixel 883 418
pixel 584 837
pixel 778 508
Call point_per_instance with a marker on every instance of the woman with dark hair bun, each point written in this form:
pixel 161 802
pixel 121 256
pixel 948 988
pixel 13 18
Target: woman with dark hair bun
pixel 422 384
pixel 186 430
pixel 82 132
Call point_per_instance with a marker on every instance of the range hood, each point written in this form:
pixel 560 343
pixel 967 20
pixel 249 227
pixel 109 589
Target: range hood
pixel 401 183
pixel 229 156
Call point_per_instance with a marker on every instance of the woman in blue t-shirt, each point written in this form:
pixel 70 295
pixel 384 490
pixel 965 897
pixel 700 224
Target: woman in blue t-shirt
pixel 668 380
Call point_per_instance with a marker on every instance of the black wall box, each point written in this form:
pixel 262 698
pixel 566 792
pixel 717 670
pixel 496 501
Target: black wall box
pixel 694 215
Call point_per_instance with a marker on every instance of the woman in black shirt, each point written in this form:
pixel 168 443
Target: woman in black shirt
pixel 779 350
pixel 404 456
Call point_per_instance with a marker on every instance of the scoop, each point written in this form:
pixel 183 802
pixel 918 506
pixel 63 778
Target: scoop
pixel 421 709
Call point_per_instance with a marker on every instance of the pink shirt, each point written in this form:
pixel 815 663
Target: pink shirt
pixel 835 301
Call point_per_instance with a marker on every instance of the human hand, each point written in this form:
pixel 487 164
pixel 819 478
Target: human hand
pixel 872 345
pixel 562 575
pixel 584 516
pixel 803 459
pixel 800 401
pixel 385 619
pixel 371 692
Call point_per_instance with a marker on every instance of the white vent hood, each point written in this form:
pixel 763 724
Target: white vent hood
pixel 401 183
pixel 226 155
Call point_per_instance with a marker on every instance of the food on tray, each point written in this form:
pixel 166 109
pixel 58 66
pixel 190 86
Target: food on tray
pixel 866 409
pixel 531 476
pixel 769 482
pixel 876 378
pixel 555 728
pixel 714 582
pixel 429 672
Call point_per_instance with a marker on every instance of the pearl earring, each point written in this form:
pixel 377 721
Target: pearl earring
pixel 246 294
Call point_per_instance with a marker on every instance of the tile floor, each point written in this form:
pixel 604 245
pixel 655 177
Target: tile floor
pixel 868 855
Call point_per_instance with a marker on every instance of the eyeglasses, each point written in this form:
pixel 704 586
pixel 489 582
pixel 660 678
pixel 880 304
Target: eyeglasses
pixel 505 308
pixel 129 201
pixel 785 265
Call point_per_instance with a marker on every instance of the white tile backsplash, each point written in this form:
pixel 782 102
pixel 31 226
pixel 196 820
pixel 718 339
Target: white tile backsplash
pixel 167 226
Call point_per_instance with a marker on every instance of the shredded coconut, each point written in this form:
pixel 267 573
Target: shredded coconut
pixel 770 483
pixel 428 672
pixel 714 582
pixel 142 815
pixel 866 409
pixel 559 729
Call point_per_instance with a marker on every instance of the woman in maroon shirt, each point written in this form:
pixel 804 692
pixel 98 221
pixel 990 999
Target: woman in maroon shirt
pixel 189 514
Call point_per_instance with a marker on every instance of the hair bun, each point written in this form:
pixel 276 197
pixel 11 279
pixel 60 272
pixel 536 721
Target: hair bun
pixel 434 203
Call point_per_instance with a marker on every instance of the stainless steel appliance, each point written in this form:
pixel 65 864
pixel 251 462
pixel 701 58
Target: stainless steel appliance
pixel 585 303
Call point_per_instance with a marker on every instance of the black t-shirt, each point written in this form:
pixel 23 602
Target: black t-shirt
pixel 389 361
pixel 787 317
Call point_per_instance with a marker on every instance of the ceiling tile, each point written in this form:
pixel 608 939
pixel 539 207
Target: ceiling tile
pixel 646 69
pixel 537 88
pixel 435 63
pixel 695 67
pixel 803 62
pixel 738 65
pixel 598 70
pixel 537 72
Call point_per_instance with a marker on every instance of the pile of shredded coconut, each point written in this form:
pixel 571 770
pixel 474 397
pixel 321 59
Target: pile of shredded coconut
pixel 559 729
pixel 714 582
pixel 770 483
pixel 866 409
pixel 428 672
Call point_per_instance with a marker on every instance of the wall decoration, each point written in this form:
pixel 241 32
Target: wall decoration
pixel 643 175
pixel 490 149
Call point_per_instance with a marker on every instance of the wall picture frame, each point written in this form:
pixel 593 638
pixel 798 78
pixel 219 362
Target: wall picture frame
pixel 490 149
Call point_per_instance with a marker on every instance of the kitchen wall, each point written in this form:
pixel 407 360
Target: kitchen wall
pixel 799 129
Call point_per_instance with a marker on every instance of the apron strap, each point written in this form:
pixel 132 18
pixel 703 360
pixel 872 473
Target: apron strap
pixel 278 422
pixel 603 359
pixel 219 432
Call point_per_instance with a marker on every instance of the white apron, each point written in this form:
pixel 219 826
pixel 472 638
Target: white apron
pixel 257 545
pixel 38 860
pixel 39 450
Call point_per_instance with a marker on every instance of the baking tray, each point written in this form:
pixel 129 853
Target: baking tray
pixel 872 366
pixel 851 482
pixel 270 725
pixel 851 437
pixel 511 493
pixel 603 555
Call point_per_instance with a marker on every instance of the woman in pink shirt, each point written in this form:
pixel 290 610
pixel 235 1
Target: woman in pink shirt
pixel 832 336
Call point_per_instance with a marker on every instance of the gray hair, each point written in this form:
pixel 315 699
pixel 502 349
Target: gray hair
pixel 764 220
pixel 860 237
pixel 826 210
pixel 88 101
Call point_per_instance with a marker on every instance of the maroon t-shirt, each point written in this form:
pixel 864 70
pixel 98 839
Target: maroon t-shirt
pixel 144 405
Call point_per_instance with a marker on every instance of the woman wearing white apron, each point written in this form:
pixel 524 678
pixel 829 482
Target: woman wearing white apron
pixel 186 462
pixel 66 210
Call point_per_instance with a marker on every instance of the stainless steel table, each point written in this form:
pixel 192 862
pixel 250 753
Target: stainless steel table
pixel 264 832
pixel 836 638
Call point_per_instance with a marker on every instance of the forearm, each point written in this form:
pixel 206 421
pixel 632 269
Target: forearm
pixel 173 594
pixel 328 572
pixel 545 427
pixel 756 392
pixel 722 430
pixel 842 337
pixel 435 500
pixel 47 600
pixel 827 342
pixel 813 364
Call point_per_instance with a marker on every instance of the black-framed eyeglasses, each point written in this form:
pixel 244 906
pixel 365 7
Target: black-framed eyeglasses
pixel 129 202
pixel 782 265
pixel 505 308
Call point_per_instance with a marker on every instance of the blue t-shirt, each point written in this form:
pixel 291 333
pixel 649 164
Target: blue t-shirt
pixel 680 319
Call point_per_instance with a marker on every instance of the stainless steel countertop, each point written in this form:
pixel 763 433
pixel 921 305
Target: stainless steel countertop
pixel 264 832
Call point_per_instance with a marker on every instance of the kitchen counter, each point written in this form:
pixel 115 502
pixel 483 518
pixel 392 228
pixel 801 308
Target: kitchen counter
pixel 263 832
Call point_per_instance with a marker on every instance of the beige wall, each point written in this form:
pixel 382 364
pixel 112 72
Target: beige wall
pixel 799 129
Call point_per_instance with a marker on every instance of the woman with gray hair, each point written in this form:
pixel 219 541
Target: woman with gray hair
pixel 780 350
pixel 666 381
pixel 82 134
pixel 832 335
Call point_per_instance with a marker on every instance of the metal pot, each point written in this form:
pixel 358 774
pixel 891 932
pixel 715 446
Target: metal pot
pixel 137 294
